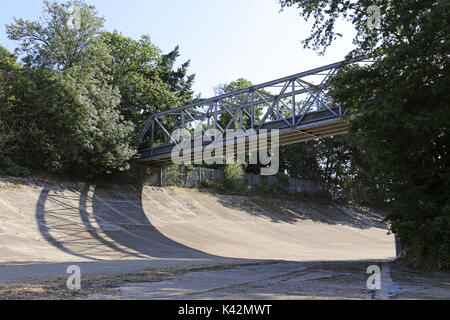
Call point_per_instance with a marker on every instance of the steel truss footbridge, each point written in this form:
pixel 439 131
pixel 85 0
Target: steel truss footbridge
pixel 298 106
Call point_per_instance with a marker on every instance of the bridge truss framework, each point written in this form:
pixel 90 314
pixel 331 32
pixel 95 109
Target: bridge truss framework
pixel 298 106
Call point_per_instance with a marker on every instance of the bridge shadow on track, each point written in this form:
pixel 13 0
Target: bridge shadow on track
pixel 293 211
pixel 95 225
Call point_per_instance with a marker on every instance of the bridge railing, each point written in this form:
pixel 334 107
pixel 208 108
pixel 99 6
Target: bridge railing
pixel 286 101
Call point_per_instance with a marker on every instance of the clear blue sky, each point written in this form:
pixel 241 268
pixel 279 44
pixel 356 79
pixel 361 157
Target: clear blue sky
pixel 224 39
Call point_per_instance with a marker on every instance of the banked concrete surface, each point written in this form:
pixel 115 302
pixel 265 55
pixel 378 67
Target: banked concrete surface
pixel 50 223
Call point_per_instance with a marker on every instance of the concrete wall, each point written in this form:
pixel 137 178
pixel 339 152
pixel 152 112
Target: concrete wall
pixel 193 179
pixel 297 185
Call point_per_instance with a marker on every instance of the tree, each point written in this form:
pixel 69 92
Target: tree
pixel 8 68
pixel 83 93
pixel 179 80
pixel 67 123
pixel 64 107
pixel 401 110
pixel 53 42
pixel 300 161
pixel 8 61
pixel 98 140
pixel 145 78
pixel 337 163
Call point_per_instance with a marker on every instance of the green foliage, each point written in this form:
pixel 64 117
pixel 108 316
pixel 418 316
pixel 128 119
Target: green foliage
pixel 8 61
pixel 52 43
pixel 97 140
pixel 145 78
pixel 179 81
pixel 301 160
pixel 68 123
pixel 208 184
pixel 174 176
pixel 8 66
pixel 426 239
pixel 61 105
pixel 82 94
pixel 400 106
pixel 233 176
pixel 338 163
pixel 10 168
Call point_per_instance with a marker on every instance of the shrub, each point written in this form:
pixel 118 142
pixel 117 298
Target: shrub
pixel 233 176
pixel 10 168
pixel 426 243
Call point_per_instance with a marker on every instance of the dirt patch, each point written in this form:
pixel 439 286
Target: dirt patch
pixel 102 287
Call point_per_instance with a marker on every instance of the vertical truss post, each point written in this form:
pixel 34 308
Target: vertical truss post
pixel 182 119
pixel 208 117
pixel 252 110
pixel 152 137
pixel 241 118
pixel 293 103
pixel 216 123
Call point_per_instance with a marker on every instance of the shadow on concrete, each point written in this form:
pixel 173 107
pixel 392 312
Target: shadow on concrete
pixel 96 223
pixel 125 208
pixel 291 211
pixel 96 226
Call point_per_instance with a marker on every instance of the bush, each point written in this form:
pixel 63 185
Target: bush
pixel 233 176
pixel 208 184
pixel 176 175
pixel 426 243
pixel 10 168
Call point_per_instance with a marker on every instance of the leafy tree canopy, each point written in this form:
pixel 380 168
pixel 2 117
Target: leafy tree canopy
pixel 53 41
pixel 62 103
pixel 8 61
pixel 83 93
pixel 146 78
pixel 400 107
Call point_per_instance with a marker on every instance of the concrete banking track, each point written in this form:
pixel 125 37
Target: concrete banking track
pixel 196 241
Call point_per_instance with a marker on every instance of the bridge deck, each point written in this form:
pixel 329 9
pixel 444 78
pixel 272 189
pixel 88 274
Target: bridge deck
pixel 316 125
